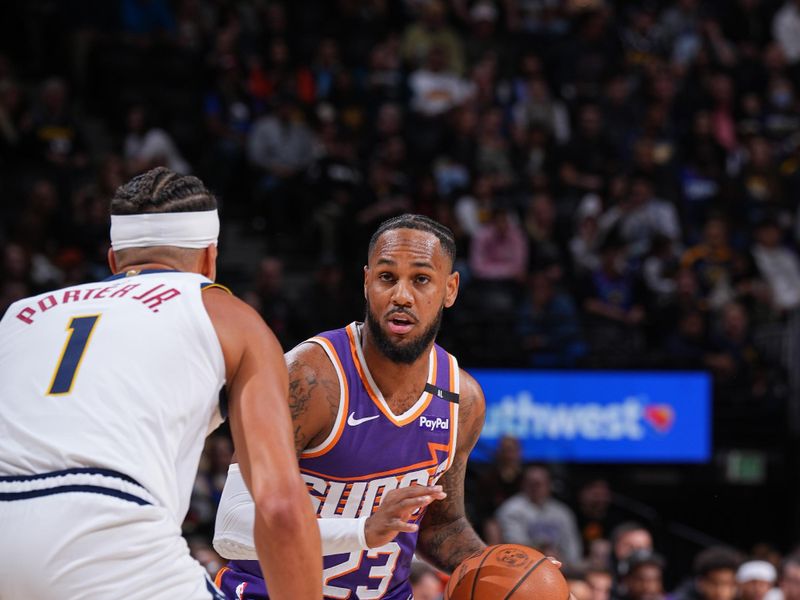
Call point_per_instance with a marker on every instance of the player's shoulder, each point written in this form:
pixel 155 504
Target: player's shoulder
pixel 237 323
pixel 223 305
pixel 472 405
pixel 470 391
pixel 308 360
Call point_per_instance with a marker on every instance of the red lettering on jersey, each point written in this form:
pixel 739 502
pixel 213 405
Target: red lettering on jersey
pixel 103 291
pixel 47 303
pixel 71 296
pixel 148 292
pixel 124 290
pixel 154 301
pixel 89 293
pixel 25 315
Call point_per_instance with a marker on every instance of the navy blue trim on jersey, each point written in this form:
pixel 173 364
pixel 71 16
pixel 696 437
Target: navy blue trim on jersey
pixel 65 489
pixel 212 589
pixel 74 471
pixel 124 274
pixel 223 402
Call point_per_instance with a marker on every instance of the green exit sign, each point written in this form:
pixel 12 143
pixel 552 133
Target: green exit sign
pixel 747 467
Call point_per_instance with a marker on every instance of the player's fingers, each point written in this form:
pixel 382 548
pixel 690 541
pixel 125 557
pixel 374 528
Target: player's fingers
pixel 400 525
pixel 554 560
pixel 413 491
pixel 410 504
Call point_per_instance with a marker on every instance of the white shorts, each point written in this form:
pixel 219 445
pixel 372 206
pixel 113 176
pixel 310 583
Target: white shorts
pixel 87 534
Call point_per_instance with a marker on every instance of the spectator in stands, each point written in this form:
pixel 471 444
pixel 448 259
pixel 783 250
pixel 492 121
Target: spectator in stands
pixel 778 266
pixel 54 135
pixel 786 30
pixel 496 484
pixel 280 147
pixel 11 112
pixel 733 358
pixel 712 261
pixel 534 518
pixel 425 584
pixel 643 578
pixel 754 579
pixel 626 538
pixel 714 576
pixel 147 146
pixel 789 581
pixel 687 346
pixel 701 174
pixel 499 251
pixel 579 588
pixel 434 89
pixel 760 182
pixel 600 582
pixel 270 299
pixel 281 143
pixel 548 324
pixel 642 217
pixel 585 242
pixel 539 107
pixel 589 158
pixel 594 511
pixel 613 302
pixel 431 31
pixel 540 225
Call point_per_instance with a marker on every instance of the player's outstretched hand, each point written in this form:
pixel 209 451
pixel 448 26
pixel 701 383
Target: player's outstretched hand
pixel 396 509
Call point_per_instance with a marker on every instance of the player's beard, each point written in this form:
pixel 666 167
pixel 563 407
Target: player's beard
pixel 408 351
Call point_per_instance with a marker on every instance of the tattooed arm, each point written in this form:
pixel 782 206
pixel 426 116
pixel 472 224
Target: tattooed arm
pixel 446 538
pixel 313 395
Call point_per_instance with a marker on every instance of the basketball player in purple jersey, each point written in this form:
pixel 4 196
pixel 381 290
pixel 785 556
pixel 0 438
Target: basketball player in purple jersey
pixel 384 422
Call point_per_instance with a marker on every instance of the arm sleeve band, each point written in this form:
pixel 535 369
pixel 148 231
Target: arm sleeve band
pixel 233 529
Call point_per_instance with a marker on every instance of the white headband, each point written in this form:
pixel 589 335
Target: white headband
pixel 183 230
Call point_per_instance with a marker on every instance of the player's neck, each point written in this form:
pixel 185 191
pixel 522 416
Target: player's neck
pixel 390 375
pixel 150 266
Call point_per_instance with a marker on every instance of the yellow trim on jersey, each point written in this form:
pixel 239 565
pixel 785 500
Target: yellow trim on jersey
pixel 216 285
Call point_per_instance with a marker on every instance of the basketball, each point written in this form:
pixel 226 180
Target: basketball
pixel 507 572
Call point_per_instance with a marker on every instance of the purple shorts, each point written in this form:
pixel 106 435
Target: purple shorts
pixel 241 580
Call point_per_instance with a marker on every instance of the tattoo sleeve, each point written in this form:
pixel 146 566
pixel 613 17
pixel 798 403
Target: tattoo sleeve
pixel 446 538
pixel 302 383
pixel 313 401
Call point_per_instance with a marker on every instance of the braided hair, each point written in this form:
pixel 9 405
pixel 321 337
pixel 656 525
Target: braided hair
pixel 160 190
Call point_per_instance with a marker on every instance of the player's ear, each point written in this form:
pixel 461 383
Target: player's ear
pixel 112 261
pixel 451 291
pixel 366 273
pixel 209 268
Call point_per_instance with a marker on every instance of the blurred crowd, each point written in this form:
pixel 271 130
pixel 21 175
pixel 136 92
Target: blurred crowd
pixel 621 176
pixel 610 548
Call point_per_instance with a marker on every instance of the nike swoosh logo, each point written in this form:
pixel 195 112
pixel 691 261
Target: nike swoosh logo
pixel 352 421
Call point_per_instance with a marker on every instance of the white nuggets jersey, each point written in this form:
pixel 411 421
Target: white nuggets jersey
pixel 121 375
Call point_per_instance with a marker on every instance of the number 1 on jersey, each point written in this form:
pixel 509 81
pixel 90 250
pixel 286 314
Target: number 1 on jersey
pixel 80 329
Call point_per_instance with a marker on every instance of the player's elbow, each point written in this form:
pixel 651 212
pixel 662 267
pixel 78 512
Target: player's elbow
pixel 287 510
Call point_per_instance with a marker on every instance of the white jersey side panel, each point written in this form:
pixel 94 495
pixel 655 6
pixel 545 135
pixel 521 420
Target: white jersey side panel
pixel 123 374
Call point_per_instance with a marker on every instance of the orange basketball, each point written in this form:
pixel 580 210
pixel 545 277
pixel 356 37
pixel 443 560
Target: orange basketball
pixel 507 572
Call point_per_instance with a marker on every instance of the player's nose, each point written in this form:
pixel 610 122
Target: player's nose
pixel 401 294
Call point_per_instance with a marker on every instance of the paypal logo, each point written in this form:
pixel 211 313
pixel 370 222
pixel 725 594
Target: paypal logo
pixel 434 424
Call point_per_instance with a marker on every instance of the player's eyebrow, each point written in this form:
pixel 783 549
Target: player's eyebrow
pixel 423 264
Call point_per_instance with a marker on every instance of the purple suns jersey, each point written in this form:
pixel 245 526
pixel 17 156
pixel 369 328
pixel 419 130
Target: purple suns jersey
pixel 368 452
